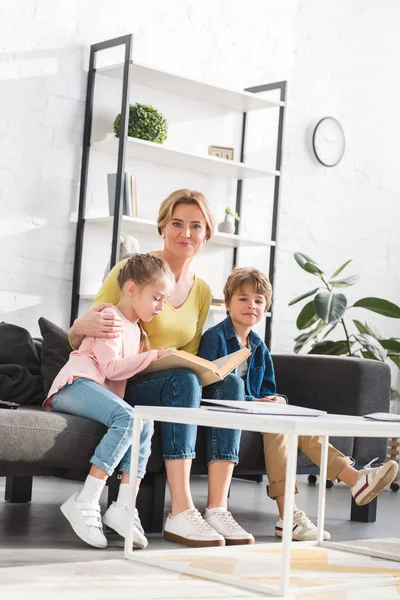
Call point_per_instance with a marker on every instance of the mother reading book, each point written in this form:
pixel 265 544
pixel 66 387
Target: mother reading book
pixel 185 223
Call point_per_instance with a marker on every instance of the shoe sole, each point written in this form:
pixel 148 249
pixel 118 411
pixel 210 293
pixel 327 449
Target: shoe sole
pixel 242 542
pixel 111 525
pixel 325 539
pixel 178 539
pixel 381 484
pixel 65 511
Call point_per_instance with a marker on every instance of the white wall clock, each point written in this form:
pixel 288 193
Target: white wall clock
pixel 329 141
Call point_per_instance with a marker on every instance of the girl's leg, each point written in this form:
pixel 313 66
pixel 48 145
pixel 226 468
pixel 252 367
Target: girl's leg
pixel 176 388
pixel 87 399
pixel 222 447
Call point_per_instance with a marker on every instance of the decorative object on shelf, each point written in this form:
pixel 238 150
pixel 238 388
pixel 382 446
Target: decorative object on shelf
pixel 128 246
pixel 228 224
pixel 145 123
pixel 329 141
pixel 217 301
pixel 129 202
pixel 221 152
pixel 322 314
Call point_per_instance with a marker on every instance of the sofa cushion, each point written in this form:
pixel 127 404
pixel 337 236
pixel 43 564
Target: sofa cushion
pixel 55 351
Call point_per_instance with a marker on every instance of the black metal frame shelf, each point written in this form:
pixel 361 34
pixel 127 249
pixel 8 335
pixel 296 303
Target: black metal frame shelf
pixel 175 84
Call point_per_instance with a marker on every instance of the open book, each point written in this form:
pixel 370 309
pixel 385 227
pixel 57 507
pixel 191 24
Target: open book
pixel 261 408
pixel 208 371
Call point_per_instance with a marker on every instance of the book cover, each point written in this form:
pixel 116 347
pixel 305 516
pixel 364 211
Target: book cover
pixel 126 197
pixel 261 408
pixel 208 371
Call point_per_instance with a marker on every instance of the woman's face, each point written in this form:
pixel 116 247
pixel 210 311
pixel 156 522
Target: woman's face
pixel 186 232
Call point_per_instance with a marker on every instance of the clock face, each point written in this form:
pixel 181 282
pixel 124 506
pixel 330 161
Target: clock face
pixel 329 142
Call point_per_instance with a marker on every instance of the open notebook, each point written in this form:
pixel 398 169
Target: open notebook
pixel 261 408
pixel 208 371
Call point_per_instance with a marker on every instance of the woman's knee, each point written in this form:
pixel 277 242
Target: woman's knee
pixel 186 388
pixel 234 386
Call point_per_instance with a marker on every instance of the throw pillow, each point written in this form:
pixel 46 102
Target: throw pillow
pixel 55 351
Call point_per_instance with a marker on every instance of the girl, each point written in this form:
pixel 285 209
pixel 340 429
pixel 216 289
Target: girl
pixel 92 385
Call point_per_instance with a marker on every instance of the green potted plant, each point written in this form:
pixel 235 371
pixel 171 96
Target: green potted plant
pixel 326 311
pixel 228 224
pixel 145 123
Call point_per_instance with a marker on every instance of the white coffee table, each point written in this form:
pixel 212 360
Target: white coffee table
pixel 324 425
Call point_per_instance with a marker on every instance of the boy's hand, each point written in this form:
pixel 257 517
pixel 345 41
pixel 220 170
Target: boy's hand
pixel 276 399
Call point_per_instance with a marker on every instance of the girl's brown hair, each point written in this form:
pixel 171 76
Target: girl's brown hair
pixel 185 196
pixel 144 269
pixel 248 276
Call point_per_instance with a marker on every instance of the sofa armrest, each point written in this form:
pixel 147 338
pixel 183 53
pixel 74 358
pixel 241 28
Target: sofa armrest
pixel 341 385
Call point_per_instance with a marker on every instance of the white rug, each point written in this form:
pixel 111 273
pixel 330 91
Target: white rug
pixel 121 579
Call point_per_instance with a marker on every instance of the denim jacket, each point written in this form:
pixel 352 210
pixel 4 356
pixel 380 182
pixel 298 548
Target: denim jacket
pixel 221 340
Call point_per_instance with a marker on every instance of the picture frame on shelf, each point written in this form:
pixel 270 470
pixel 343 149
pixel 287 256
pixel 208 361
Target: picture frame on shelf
pixel 221 152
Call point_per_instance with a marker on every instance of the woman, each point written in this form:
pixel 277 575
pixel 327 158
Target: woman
pixel 185 223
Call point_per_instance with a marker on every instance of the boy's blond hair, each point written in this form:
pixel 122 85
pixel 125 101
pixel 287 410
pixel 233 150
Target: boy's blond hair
pixel 248 276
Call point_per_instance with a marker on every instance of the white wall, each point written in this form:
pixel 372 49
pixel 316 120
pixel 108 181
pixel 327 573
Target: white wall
pixel 339 58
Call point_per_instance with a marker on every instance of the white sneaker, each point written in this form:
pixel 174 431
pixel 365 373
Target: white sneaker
pixel 304 530
pixel 372 480
pixel 117 518
pixel 189 528
pixel 85 520
pixel 222 521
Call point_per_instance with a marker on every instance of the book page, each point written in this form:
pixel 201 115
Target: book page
pixel 226 364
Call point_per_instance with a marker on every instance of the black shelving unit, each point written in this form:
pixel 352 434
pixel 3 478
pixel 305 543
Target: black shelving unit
pixel 126 41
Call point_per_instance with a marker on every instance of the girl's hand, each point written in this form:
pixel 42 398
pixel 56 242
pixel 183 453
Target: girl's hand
pixel 161 352
pixel 276 399
pixel 99 322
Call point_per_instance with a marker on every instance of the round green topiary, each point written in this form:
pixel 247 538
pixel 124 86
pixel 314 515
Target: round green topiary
pixel 145 123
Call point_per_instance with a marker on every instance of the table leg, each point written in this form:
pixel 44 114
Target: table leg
pixel 322 488
pixel 137 427
pixel 288 516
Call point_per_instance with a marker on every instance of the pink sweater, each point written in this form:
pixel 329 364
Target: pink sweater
pixel 108 362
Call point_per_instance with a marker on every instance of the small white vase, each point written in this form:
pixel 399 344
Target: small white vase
pixel 227 225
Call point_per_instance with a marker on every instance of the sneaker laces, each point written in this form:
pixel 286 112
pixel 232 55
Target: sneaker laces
pixel 300 518
pixel 199 523
pixel 367 469
pixel 229 521
pixel 91 513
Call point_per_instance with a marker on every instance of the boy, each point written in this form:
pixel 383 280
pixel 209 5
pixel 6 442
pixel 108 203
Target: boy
pixel 247 295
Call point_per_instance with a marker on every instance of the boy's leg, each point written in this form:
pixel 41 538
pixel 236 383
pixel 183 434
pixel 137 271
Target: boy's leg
pixel 311 446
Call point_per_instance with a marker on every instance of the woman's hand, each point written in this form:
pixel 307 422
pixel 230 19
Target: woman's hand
pixel 97 322
pixel 161 352
pixel 276 399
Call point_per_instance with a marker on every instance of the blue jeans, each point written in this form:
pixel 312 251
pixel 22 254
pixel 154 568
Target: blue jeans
pixel 182 388
pixel 85 398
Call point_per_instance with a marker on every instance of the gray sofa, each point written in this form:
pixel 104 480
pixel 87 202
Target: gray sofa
pixel 36 443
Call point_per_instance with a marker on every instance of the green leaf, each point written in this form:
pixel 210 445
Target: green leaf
pixel 307 263
pixel 302 339
pixel 395 358
pixel 367 354
pixel 346 282
pixel 380 306
pixel 394 394
pixel 306 295
pixel 392 345
pixel 330 306
pixel 362 328
pixel 371 344
pixel 340 269
pixel 306 316
pixel 331 348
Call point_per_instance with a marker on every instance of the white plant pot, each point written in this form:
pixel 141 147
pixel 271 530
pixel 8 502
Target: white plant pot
pixel 227 225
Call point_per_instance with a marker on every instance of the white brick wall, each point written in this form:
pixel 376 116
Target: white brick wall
pixel 339 58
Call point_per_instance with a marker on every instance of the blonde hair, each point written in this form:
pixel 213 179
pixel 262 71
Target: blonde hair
pixel 185 196
pixel 144 269
pixel 242 276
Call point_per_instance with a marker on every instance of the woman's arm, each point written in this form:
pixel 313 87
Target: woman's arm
pixel 95 323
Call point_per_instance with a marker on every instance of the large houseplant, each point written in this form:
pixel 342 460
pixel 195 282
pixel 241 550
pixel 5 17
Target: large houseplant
pixel 326 311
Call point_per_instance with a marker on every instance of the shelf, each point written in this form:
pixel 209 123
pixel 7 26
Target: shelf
pixel 189 88
pixel 135 224
pixel 168 157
